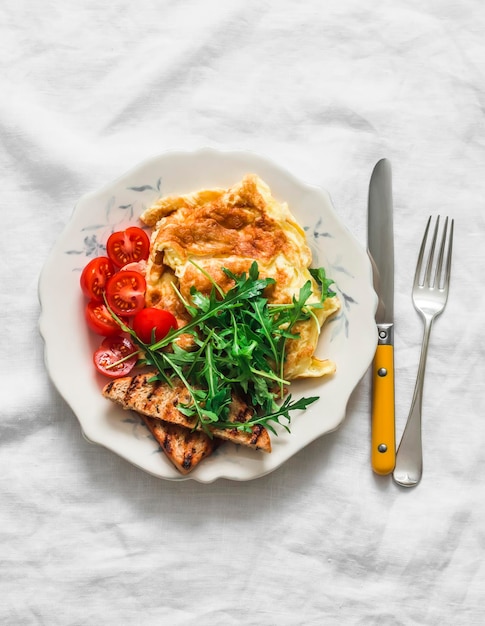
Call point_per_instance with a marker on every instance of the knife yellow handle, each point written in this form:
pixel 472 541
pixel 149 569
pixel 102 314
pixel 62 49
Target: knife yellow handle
pixel 383 431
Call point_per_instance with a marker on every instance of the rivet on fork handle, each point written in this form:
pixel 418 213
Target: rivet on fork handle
pixel 430 293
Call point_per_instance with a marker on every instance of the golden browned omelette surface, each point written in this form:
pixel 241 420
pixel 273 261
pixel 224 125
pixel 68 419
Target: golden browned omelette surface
pixel 231 228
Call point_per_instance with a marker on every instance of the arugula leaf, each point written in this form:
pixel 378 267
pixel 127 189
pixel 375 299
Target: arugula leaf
pixel 240 345
pixel 279 412
pixel 323 282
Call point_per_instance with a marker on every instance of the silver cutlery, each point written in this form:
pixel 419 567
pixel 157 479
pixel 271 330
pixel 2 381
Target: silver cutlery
pixel 430 293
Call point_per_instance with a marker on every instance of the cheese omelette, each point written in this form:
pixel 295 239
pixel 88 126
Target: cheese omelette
pixel 231 228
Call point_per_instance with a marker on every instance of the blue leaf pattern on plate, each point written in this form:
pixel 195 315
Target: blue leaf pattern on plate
pixel 92 247
pixel 116 215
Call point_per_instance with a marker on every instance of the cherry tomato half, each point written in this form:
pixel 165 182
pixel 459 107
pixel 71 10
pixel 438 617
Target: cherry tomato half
pixel 125 292
pixel 109 357
pixel 94 277
pixel 151 320
pixel 99 319
pixel 128 246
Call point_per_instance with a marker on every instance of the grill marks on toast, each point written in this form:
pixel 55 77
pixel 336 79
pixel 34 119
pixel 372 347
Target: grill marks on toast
pixel 157 403
pixel 159 400
pixel 185 448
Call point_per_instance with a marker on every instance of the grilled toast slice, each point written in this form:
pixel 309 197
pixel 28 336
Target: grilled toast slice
pixel 159 400
pixel 183 447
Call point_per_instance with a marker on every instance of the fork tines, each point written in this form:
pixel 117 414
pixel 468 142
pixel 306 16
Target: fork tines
pixel 435 275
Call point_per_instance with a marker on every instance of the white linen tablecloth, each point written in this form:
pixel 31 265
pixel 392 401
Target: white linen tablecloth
pixel 324 89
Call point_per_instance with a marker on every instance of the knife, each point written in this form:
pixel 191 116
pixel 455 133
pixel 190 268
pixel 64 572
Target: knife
pixel 381 250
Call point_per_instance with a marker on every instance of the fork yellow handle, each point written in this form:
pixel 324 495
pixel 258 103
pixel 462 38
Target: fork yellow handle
pixel 383 431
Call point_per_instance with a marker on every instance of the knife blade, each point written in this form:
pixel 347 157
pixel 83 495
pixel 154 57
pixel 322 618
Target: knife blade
pixel 380 245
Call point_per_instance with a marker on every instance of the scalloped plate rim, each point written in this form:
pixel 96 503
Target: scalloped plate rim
pixel 249 468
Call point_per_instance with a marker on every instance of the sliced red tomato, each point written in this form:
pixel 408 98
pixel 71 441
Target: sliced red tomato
pixel 151 321
pixel 116 357
pixel 125 292
pixel 128 246
pixel 99 319
pixel 94 277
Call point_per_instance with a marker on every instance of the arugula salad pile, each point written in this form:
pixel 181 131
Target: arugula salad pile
pixel 240 341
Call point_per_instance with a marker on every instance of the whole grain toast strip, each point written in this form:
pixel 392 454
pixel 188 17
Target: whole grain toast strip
pixel 159 401
pixel 183 447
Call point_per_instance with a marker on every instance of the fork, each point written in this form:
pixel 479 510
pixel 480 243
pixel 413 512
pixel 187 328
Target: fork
pixel 430 293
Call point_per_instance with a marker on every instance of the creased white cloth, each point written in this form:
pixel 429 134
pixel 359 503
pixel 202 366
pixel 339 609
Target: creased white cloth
pixel 325 89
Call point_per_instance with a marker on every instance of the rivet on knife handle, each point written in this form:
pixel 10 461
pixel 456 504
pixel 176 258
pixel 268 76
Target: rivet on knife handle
pixel 383 438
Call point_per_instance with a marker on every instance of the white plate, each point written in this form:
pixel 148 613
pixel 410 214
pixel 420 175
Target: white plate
pixel 349 339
